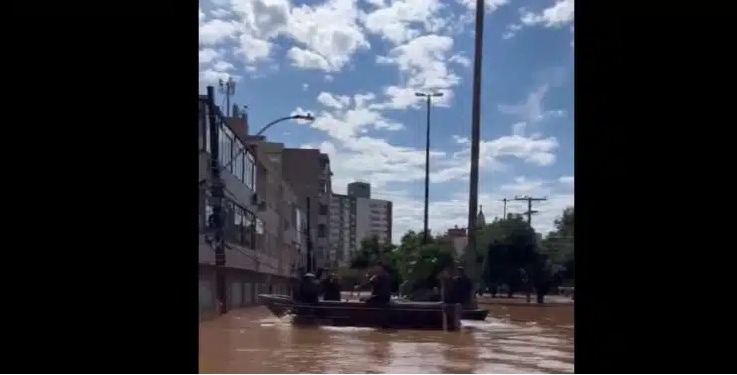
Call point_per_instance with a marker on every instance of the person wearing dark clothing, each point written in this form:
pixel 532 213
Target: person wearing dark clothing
pixel 330 287
pixel 526 283
pixel 380 286
pixel 296 283
pixel 448 286
pixel 542 285
pixel 309 289
pixel 463 286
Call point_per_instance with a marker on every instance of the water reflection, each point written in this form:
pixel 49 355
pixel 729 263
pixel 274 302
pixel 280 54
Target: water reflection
pixel 251 341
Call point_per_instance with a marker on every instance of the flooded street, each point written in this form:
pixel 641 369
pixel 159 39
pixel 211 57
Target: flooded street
pixel 514 339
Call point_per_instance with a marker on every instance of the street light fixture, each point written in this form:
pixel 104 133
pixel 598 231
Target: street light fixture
pixel 429 97
pixel 307 117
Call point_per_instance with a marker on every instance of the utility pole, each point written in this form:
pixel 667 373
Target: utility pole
pixel 217 203
pixel 475 138
pixel 227 88
pixel 429 97
pixel 529 206
pixel 505 200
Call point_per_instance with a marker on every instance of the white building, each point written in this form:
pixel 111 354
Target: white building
pixel 353 218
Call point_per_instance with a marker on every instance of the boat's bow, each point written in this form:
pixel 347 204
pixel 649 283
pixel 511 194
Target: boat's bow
pixel 279 305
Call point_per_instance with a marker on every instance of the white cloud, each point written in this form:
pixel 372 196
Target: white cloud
pixel 222 66
pixel 491 5
pixel 519 129
pixel 216 31
pixel 329 31
pixel 221 13
pixel 461 60
pixel 532 109
pixel 322 36
pixel 394 22
pixel 531 150
pixel 522 186
pixel 207 55
pixel 251 49
pixel 566 181
pixel 328 78
pixel 558 14
pixel 306 59
pixel 305 86
pixel 424 61
pixel 327 99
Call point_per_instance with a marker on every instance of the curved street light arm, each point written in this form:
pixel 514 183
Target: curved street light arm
pixel 307 117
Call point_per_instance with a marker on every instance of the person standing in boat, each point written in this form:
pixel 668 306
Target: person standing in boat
pixel 380 286
pixel 330 287
pixel 309 289
pixel 463 287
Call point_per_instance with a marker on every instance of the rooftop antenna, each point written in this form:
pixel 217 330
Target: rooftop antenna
pixel 227 88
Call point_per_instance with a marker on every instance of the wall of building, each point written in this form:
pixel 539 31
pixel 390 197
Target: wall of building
pixel 363 223
pixel 309 176
pixel 342 228
pixel 242 288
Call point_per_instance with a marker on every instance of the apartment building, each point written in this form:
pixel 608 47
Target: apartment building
pixel 261 228
pixel 356 216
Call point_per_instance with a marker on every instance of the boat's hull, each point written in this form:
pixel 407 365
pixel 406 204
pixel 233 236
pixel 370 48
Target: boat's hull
pixel 476 314
pixel 468 312
pixel 396 315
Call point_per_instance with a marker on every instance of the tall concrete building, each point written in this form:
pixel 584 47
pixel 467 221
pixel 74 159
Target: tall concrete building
pixel 359 189
pixel 308 172
pixel 356 216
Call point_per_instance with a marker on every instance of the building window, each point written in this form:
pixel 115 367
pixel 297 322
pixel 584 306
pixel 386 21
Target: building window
pixel 226 147
pixel 322 209
pixel 321 231
pixel 250 171
pixel 239 225
pixel 261 240
pixel 238 161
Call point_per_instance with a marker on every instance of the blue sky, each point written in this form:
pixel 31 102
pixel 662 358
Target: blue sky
pixel 355 65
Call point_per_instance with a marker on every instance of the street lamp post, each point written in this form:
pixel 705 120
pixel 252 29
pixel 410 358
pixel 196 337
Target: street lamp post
pixel 429 97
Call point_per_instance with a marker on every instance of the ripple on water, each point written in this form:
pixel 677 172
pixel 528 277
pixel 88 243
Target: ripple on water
pixel 266 344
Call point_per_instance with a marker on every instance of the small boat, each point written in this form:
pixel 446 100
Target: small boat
pixel 396 315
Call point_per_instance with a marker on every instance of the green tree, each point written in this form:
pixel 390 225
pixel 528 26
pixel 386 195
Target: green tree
pixel 559 246
pixel 509 245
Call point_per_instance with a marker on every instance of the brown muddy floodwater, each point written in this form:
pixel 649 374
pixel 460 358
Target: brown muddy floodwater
pixel 515 338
